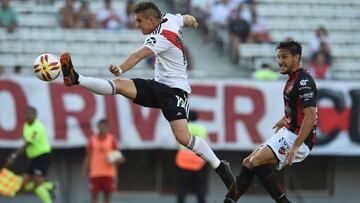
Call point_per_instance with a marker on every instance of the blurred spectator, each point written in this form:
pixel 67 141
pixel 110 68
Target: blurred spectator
pixel 18 70
pixel 321 36
pixel 96 164
pixel 107 17
pixel 201 10
pixel 8 17
pixel 259 31
pixel 130 14
pixel 219 17
pixel 325 49
pixel 67 15
pixel 84 17
pixel 319 68
pixel 249 9
pixel 266 73
pixel 239 33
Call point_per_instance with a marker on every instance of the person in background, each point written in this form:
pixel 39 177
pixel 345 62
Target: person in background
pixel 8 17
pixel 259 32
pixel 239 32
pixel 67 17
pixel 38 150
pixel 319 68
pixel 97 166
pixel 266 73
pixel 84 17
pixel 321 36
pixel 107 17
pixel 191 169
pixel 130 15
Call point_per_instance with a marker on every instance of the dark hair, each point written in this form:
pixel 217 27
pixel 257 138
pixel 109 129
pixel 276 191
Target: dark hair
pixel 102 121
pixel 293 47
pixel 193 116
pixel 31 109
pixel 148 6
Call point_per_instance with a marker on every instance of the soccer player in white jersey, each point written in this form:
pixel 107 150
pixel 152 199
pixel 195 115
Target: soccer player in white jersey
pixel 168 90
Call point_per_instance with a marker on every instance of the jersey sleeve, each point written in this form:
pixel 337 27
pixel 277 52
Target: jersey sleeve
pixel 307 92
pixel 157 43
pixel 179 19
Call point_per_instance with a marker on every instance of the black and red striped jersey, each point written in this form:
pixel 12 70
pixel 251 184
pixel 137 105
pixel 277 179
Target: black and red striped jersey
pixel 300 92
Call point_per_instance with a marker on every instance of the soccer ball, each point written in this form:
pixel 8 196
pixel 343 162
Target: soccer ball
pixel 47 67
pixel 113 156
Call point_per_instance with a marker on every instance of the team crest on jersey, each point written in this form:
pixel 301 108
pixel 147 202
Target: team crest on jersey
pixel 151 41
pixel 282 151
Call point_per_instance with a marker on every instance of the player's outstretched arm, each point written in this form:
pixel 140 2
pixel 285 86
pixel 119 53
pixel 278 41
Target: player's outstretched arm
pixel 190 21
pixel 306 127
pixel 130 61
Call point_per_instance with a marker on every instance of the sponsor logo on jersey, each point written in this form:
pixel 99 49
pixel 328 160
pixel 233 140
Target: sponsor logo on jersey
pixel 303 82
pixel 282 151
pixel 151 41
pixel 307 96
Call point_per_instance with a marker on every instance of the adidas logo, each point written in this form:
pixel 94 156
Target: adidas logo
pixel 179 114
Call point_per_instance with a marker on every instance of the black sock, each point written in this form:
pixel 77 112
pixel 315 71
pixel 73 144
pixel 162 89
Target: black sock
pixel 244 179
pixel 220 168
pixel 243 182
pixel 270 181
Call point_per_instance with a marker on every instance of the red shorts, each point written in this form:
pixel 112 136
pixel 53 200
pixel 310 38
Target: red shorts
pixel 105 184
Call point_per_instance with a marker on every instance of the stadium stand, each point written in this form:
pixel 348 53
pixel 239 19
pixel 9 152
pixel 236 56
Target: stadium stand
pixel 298 20
pixel 39 32
pixel 93 50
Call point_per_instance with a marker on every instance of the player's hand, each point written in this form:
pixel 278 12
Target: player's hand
pixel 280 124
pixel 291 155
pixel 190 20
pixel 195 24
pixel 116 70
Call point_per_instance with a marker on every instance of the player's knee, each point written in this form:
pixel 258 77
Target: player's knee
pixel 253 162
pixel 246 162
pixel 119 85
pixel 182 139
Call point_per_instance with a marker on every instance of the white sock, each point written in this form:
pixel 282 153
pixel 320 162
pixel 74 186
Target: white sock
pixel 202 149
pixel 97 85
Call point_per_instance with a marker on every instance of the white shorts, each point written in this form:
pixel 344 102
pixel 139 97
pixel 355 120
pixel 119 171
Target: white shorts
pixel 281 142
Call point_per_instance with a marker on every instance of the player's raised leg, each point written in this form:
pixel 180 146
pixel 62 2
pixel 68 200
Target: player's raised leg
pixel 99 86
pixel 202 149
